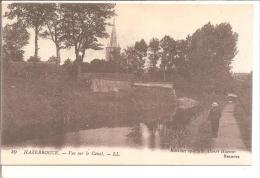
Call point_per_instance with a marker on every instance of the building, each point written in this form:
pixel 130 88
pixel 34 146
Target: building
pixel 112 49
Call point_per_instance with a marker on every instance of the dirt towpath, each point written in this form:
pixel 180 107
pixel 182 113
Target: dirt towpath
pixel 229 136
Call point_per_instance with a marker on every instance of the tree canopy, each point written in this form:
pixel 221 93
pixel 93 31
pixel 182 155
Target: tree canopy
pixel 212 49
pixel 154 55
pixel 15 37
pixel 84 24
pixel 54 28
pixel 203 58
pixel 32 15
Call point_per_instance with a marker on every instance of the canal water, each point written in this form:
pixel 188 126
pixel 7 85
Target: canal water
pixel 153 136
pixel 159 134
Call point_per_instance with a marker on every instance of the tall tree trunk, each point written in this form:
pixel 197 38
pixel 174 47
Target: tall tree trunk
pixel 76 53
pixel 36 42
pixel 83 55
pixel 78 63
pixel 58 54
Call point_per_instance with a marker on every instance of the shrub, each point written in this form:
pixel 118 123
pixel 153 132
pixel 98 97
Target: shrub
pixel 67 62
pixel 53 59
pixel 34 59
pixel 70 68
pixel 13 55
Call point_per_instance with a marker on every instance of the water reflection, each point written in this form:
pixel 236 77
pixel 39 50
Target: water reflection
pixel 99 137
pixel 164 133
pixel 144 135
pixel 153 136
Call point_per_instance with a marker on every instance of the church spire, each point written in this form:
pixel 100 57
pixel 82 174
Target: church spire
pixel 113 39
pixel 113 49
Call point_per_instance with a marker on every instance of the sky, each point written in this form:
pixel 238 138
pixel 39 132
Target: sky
pixel 138 21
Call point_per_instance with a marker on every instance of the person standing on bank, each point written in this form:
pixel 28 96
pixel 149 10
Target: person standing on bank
pixel 214 116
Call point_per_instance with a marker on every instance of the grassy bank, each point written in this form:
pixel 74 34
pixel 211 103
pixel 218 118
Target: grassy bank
pixel 245 124
pixel 37 106
pixel 32 108
pixel 243 110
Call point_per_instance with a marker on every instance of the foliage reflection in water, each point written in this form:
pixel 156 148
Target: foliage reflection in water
pixel 154 136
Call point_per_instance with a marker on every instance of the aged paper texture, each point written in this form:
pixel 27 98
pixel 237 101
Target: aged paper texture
pixel 121 83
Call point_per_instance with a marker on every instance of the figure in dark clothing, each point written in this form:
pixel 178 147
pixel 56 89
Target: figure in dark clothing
pixel 214 116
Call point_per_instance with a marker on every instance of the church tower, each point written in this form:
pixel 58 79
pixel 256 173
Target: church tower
pixel 112 49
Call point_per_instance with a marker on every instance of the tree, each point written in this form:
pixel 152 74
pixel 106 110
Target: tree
pixel 69 68
pixel 83 25
pixel 141 51
pixel 168 46
pixel 211 52
pixel 32 15
pixel 181 58
pixel 131 59
pixel 225 45
pixel 123 62
pixel 154 55
pixel 55 32
pixel 15 37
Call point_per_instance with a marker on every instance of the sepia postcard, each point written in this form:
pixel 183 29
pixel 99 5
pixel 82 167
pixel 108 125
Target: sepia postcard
pixel 127 83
